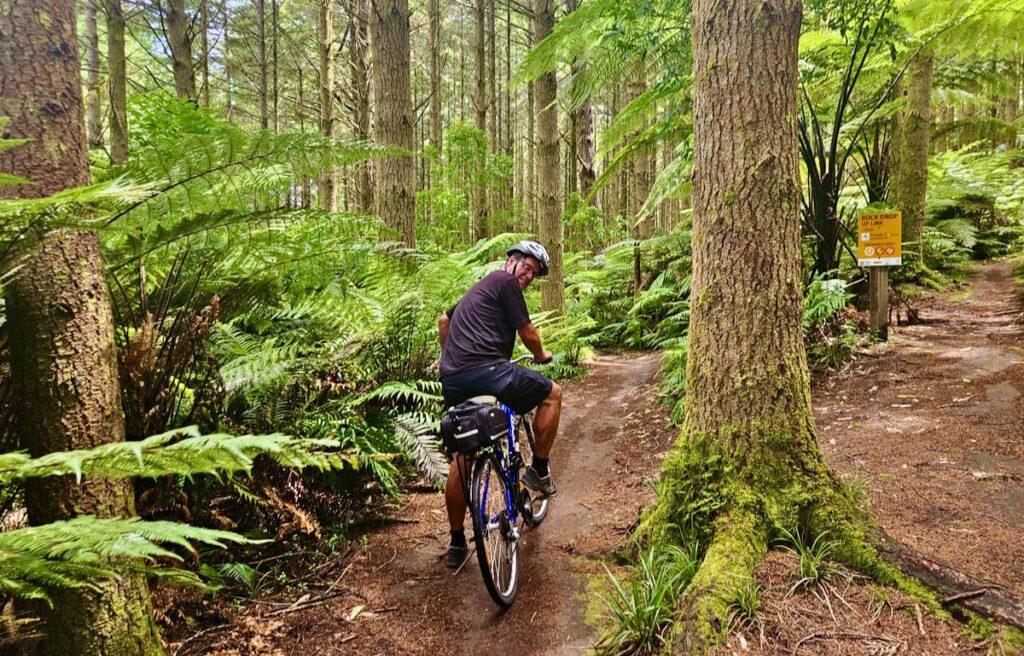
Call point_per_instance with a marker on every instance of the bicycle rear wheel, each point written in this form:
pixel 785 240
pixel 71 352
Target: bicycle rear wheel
pixel 496 537
pixel 537 504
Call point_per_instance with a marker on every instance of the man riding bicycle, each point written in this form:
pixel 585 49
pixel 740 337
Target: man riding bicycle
pixel 477 337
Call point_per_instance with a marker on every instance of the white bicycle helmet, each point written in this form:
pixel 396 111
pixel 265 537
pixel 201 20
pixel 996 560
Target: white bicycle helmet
pixel 535 250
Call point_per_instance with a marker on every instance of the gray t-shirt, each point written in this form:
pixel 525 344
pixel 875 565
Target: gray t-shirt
pixel 484 324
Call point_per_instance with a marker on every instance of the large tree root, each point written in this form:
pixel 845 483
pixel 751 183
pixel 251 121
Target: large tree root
pixel 954 586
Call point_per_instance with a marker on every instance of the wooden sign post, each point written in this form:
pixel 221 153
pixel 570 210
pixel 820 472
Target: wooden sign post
pixel 879 245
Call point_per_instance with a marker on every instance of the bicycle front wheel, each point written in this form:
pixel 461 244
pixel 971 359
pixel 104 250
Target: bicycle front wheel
pixel 496 536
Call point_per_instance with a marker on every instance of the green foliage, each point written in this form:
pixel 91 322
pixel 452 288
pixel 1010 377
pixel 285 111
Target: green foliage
pixel 824 297
pixel 164 454
pixel 814 556
pixel 640 608
pixel 603 289
pixel 219 576
pixel 745 603
pixel 463 176
pixel 79 552
pixel 829 334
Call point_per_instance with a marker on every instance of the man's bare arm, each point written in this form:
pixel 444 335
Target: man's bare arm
pixel 531 339
pixel 443 323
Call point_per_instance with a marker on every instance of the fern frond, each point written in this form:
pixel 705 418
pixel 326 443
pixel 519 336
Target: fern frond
pixel 78 552
pixel 416 436
pixel 161 455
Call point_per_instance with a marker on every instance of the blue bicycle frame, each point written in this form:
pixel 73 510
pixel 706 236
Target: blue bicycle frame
pixel 509 471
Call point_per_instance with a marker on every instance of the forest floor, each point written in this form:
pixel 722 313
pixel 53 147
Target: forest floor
pixel 929 425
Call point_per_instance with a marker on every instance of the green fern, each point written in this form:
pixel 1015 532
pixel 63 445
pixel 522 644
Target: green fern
pixel 80 552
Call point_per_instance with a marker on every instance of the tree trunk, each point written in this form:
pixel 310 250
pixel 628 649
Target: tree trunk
pixel 747 461
pixel 275 11
pixel 93 118
pixel 360 80
pixel 180 44
pixel 531 154
pixel 261 62
pixel 911 180
pixel 435 75
pixel 392 102
pixel 549 173
pixel 585 135
pixel 204 44
pixel 492 111
pixel 492 79
pixel 117 83
pixel 329 177
pixel 304 191
pixel 641 167
pixel 229 106
pixel 60 327
pixel 476 226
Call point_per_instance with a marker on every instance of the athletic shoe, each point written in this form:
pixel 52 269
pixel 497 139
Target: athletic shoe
pixel 455 556
pixel 542 484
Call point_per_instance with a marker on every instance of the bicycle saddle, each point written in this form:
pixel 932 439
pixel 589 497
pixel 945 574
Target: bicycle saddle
pixel 485 399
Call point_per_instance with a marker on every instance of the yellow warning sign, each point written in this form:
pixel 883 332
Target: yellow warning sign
pixel 879 238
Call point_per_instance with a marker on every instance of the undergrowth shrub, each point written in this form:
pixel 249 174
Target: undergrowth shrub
pixel 640 607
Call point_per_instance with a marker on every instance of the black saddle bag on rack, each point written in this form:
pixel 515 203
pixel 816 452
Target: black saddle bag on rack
pixel 470 426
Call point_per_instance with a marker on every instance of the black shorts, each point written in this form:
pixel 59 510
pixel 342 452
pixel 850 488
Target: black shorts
pixel 517 387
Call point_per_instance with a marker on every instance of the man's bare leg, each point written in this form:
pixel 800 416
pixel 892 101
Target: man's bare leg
pixel 545 421
pixel 454 498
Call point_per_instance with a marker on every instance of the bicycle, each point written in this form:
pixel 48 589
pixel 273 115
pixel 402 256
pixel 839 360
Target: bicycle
pixel 501 505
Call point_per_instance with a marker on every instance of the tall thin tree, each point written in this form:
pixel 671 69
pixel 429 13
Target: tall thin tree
pixel 393 124
pixel 328 177
pixel 548 173
pixel 117 83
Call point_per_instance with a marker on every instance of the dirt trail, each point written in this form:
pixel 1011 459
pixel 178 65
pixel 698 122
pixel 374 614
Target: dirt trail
pixel 396 596
pixel 929 424
pixel 932 424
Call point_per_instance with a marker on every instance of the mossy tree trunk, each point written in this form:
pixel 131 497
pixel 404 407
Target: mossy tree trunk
pixel 910 182
pixel 747 461
pixel 60 327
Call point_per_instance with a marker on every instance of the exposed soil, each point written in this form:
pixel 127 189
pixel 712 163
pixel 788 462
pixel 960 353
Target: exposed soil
pixel 929 424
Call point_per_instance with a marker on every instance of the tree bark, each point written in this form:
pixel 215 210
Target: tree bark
pixel 549 173
pixel 531 153
pixel 261 62
pixel 435 75
pixel 179 42
pixel 392 102
pixel 60 327
pixel 329 177
pixel 585 136
pixel 204 45
pixel 360 96
pixel 476 225
pixel 275 28
pixel 911 181
pixel 93 117
pixel 747 461
pixel 117 83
